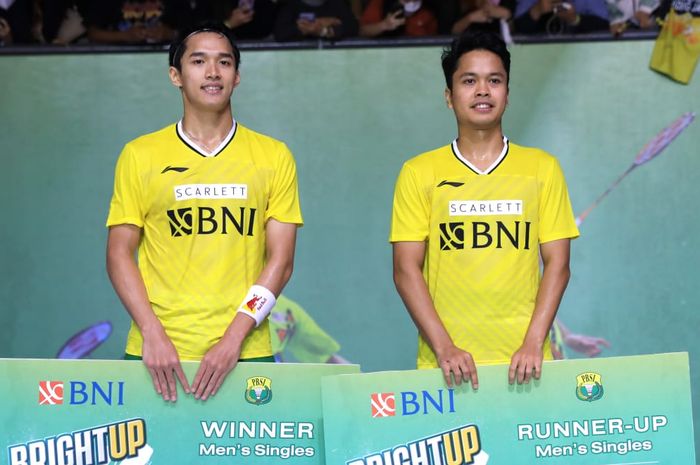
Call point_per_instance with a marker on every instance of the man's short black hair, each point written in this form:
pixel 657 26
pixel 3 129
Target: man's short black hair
pixel 469 41
pixel 179 45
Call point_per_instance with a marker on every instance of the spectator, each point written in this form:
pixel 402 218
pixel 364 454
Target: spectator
pixel 456 16
pixel 64 20
pixel 639 13
pixel 402 17
pixel 136 21
pixel 357 6
pixel 248 19
pixel 304 19
pixel 557 16
pixel 5 32
pixel 16 21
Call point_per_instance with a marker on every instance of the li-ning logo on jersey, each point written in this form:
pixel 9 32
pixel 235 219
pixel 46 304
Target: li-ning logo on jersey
pixel 207 220
pixel 211 191
pixel 450 183
pixel 178 169
pixel 485 207
pixel 482 235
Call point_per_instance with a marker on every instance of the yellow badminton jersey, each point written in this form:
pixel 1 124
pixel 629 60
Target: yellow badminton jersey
pixel 203 228
pixel 482 231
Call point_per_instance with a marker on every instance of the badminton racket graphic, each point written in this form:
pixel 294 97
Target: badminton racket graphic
pixel 85 341
pixel 653 148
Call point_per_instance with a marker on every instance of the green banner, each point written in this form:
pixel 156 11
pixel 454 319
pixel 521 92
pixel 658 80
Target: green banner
pixel 86 412
pixel 624 410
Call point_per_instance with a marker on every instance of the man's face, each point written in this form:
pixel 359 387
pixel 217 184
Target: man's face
pixel 479 90
pixel 208 72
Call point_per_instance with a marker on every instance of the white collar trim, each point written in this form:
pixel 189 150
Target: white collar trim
pixel 201 150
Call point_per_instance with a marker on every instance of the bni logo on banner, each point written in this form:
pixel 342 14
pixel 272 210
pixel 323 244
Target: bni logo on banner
pixel 81 393
pixel 384 404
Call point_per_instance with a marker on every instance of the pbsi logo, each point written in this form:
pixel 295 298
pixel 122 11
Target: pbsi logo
pixel 258 390
pixel 482 235
pixel 412 403
pixel 81 393
pixel 589 387
pixel 206 220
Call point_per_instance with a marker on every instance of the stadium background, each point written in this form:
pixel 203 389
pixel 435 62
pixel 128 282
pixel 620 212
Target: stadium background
pixel 351 117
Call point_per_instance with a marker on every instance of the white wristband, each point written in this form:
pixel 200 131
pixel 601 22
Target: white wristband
pixel 258 303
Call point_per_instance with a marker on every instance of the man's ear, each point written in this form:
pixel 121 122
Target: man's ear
pixel 237 80
pixel 174 75
pixel 448 97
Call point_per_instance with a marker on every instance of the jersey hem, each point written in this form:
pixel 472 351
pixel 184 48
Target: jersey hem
pixel 298 221
pixel 557 236
pixel 125 220
pixel 407 239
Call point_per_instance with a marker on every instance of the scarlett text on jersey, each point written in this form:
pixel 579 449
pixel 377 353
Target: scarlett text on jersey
pixel 485 207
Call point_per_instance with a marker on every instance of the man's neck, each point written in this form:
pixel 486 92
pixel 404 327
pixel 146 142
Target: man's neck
pixel 481 147
pixel 207 128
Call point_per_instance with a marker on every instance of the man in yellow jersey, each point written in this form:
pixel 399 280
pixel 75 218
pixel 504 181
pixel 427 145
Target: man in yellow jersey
pixel 469 221
pixel 212 208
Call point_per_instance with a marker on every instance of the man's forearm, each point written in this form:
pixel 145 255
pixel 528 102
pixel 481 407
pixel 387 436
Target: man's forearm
pixel 555 278
pixel 129 286
pixel 414 293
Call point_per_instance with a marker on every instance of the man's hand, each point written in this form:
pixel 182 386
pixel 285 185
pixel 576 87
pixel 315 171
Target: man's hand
pixel 568 14
pixel 617 29
pixel 306 27
pixel 479 16
pixel 215 366
pixel 393 21
pixel 317 26
pixel 458 363
pixel 161 359
pixel 222 357
pixel 526 363
pixel 240 16
pixel 645 19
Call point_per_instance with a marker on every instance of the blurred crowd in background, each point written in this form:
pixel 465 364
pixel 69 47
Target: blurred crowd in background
pixel 63 22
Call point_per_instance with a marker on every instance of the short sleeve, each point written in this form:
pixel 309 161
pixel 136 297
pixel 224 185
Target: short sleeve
pixel 127 205
pixel 556 215
pixel 283 204
pixel 410 220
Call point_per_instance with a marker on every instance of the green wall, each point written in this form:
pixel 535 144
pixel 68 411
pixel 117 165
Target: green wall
pixel 351 117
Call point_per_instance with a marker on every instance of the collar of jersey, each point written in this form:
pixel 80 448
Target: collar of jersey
pixel 488 170
pixel 201 150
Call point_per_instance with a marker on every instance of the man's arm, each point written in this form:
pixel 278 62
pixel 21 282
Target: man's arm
pixel 408 277
pixel 527 360
pixel 159 353
pixel 218 362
